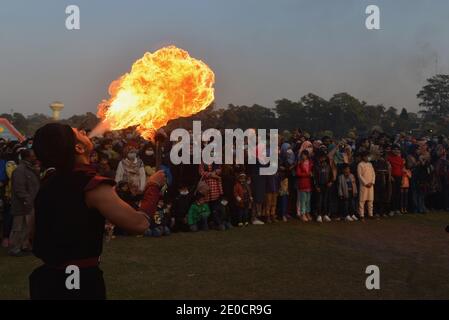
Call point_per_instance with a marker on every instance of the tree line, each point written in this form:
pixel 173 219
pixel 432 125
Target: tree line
pixel 339 116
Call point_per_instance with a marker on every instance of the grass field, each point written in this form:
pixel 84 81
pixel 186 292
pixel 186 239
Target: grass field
pixel 278 261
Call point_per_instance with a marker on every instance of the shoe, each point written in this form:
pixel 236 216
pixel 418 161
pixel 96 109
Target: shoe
pixel 349 219
pixel 319 219
pixel 354 218
pixel 397 212
pixel 257 222
pixel 275 220
pixel 303 218
pixel 284 218
pixel 246 224
pixel 5 243
pixel 309 216
pixel 240 224
pixel 19 254
pixel 268 220
pixel 391 214
pixel 327 219
pixel 337 219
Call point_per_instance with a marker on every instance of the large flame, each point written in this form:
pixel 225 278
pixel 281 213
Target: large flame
pixel 161 86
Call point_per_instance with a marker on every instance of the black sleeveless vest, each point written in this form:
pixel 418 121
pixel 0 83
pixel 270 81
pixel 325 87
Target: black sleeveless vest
pixel 65 228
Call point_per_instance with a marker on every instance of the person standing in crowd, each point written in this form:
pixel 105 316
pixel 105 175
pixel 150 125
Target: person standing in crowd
pixel 405 185
pixel 367 178
pixel 347 191
pixel 397 166
pixel 382 188
pixel 423 173
pixel 304 174
pixel 131 170
pixel 323 179
pixel 243 199
pixel 181 205
pixel 70 211
pixel 25 185
pixel 211 175
pixel 271 195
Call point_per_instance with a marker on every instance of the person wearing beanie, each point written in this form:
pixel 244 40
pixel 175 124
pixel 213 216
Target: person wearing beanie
pixel 71 208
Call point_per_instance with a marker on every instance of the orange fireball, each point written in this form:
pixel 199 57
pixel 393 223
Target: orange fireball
pixel 161 86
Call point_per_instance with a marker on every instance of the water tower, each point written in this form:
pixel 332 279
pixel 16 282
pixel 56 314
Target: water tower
pixel 56 107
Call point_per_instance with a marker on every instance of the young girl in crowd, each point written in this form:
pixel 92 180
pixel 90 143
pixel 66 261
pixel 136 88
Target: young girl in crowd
pixel 405 185
pixel 347 191
pixel 243 199
pixel 304 178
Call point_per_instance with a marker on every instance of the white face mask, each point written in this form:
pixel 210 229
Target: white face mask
pixel 184 192
pixel 149 152
pixel 224 202
pixel 132 156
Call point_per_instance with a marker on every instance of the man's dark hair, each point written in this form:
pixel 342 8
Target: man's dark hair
pixel 54 145
pixel 25 154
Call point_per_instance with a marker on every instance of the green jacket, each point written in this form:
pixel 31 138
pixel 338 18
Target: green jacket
pixel 196 212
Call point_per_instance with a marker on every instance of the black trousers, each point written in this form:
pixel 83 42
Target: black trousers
pixel 50 284
pixel 322 201
pixel 396 194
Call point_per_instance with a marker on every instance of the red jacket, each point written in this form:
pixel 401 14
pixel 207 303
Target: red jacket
pixel 304 174
pixel 150 199
pixel 397 165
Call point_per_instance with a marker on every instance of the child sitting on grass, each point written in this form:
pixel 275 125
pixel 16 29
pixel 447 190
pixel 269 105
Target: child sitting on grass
pixel 198 213
pixel 181 206
pixel 159 221
pixel 222 216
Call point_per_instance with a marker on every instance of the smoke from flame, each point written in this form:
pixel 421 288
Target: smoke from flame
pixel 161 86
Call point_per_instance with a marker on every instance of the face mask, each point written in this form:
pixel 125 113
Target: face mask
pixel 184 192
pixel 164 188
pixel 29 145
pixel 224 202
pixel 149 152
pixel 132 156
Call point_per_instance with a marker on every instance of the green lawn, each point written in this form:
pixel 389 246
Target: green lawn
pixel 278 261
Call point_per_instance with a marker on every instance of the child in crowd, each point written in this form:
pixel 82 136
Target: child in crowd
pixel 181 205
pixel 222 215
pixel 405 185
pixel 367 177
pixel 159 221
pixel 322 173
pixel 304 175
pixel 243 199
pixel 283 198
pixel 198 213
pixel 347 191
pixel 382 188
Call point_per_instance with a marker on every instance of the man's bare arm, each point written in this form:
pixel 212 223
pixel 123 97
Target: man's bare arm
pixel 105 199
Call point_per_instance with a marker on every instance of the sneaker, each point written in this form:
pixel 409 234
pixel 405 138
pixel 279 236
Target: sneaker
pixel 326 218
pixel 275 220
pixel 319 219
pixel 391 214
pixel 337 219
pixel 303 218
pixel 257 222
pixel 240 224
pixel 349 219
pixel 354 218
pixel 247 224
pixel 284 218
pixel 268 220
pixel 309 216
pixel 397 212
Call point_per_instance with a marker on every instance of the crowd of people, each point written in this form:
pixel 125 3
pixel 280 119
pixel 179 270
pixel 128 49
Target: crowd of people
pixel 318 179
